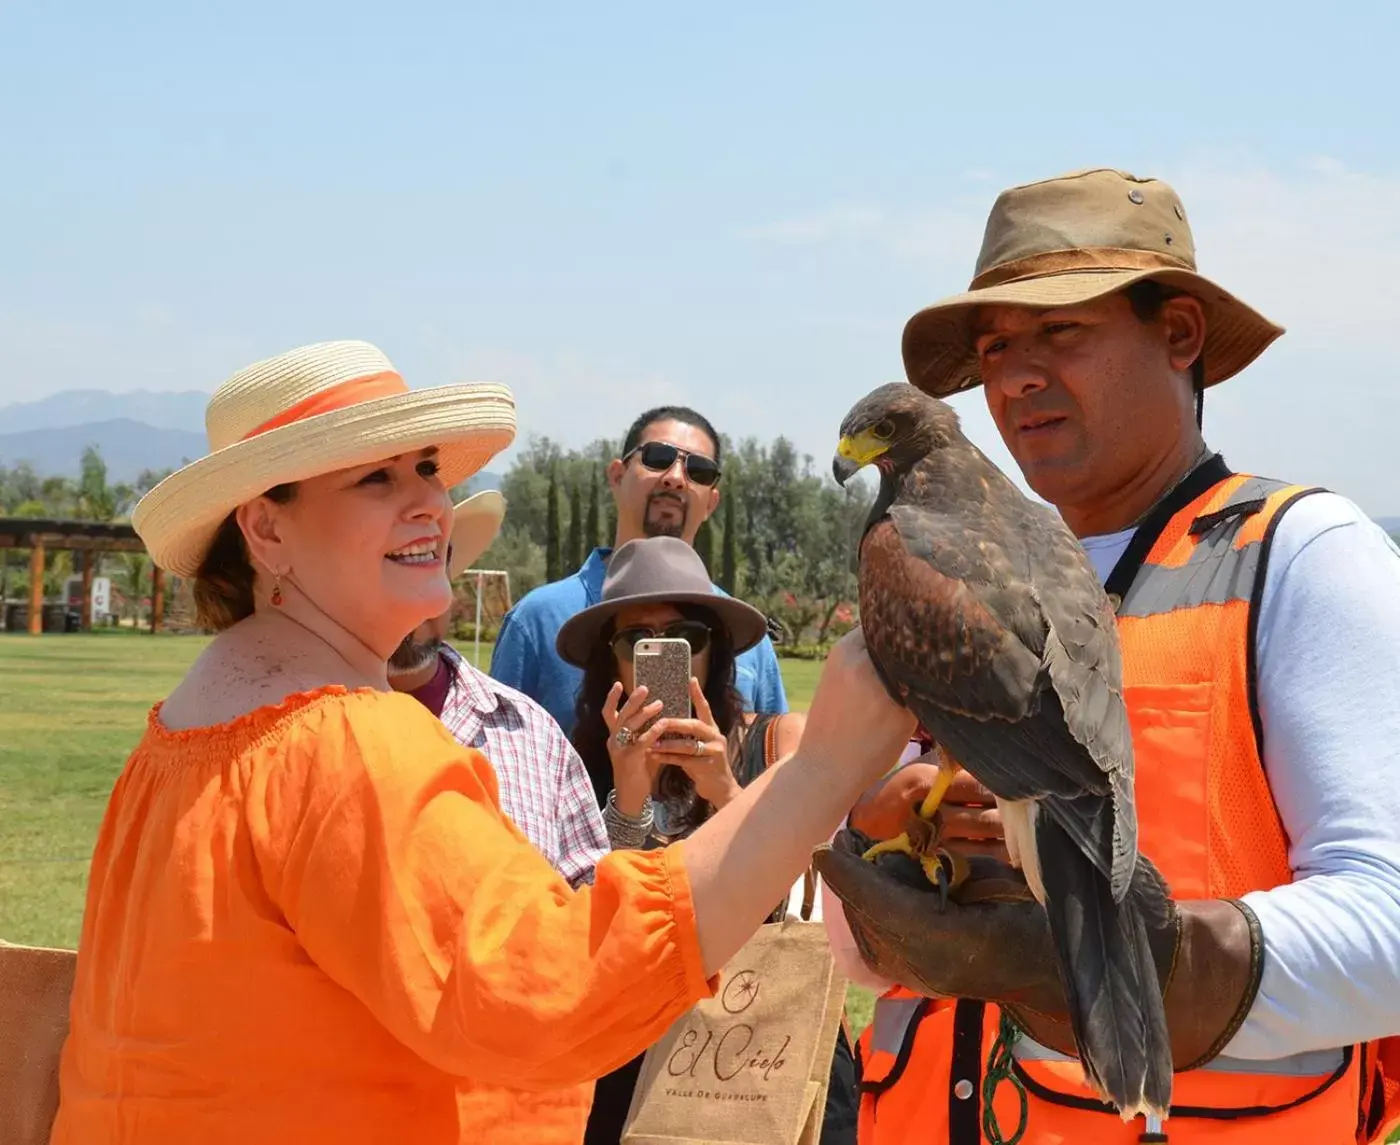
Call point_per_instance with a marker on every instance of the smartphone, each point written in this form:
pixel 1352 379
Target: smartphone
pixel 663 665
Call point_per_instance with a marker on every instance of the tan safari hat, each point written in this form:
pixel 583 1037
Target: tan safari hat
pixel 475 523
pixel 313 410
pixel 1066 241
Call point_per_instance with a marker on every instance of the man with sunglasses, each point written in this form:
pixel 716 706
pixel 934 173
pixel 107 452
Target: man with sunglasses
pixel 665 483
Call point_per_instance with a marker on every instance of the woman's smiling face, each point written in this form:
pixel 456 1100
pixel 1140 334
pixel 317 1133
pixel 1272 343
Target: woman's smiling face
pixel 367 545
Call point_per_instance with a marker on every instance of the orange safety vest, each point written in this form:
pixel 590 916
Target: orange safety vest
pixel 1194 575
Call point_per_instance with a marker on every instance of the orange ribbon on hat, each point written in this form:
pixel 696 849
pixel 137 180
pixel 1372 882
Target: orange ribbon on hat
pixel 342 396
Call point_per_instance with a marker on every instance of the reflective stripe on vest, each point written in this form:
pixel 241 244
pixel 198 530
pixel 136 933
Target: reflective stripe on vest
pixel 1216 572
pixel 890 1023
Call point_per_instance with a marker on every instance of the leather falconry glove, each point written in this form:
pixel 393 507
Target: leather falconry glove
pixel 990 940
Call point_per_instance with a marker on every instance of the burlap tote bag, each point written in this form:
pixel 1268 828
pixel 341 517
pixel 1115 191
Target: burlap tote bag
pixel 751 1065
pixel 35 985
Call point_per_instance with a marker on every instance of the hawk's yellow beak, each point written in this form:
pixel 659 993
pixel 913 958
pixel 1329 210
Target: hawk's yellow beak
pixel 854 453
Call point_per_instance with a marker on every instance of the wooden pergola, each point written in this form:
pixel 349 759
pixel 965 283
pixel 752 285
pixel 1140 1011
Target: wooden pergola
pixel 41 536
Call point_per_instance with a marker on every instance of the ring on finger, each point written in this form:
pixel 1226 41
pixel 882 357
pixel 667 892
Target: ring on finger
pixel 698 747
pixel 624 736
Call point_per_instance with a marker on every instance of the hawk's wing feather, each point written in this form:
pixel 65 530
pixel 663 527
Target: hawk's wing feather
pixel 1082 653
pixel 946 647
pixel 1005 621
pixel 1085 665
pixel 1030 572
pixel 928 627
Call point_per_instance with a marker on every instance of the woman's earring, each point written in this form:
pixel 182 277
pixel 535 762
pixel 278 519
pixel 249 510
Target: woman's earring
pixel 276 590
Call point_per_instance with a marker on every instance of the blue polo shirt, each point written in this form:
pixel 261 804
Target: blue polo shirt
pixel 525 657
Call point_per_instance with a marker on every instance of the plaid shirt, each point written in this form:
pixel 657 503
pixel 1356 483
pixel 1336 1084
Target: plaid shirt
pixel 544 788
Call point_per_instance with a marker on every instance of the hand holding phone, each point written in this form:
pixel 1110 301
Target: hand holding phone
pixel 662 665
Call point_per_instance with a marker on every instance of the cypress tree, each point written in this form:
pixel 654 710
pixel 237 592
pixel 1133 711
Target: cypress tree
pixel 705 546
pixel 591 538
pixel 552 555
pixel 729 561
pixel 573 555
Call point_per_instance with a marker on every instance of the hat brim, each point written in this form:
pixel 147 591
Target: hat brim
pixel 939 356
pixel 468 424
pixel 475 524
pixel 580 634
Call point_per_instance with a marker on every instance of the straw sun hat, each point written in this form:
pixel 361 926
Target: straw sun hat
pixel 475 523
pixel 304 413
pixel 1069 240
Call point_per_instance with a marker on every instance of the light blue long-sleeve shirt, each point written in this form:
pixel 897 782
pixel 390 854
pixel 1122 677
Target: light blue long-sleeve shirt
pixel 526 659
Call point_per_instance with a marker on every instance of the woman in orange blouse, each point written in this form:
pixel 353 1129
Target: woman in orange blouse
pixel 307 917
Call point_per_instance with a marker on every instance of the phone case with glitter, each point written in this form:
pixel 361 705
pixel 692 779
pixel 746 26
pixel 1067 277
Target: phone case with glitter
pixel 663 665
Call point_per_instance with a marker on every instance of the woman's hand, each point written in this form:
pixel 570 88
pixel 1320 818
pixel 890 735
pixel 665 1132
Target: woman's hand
pixel 633 772
pixel 703 754
pixel 884 810
pixel 968 819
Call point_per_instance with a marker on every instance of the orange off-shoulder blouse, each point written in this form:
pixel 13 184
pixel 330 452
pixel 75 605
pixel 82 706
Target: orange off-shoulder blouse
pixel 315 924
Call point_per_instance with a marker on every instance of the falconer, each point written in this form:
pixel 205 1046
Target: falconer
pixel 1260 630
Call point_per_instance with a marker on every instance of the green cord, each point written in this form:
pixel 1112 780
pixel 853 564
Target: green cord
pixel 1000 1065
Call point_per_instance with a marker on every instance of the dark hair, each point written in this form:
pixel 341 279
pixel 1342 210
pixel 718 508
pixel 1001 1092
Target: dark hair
pixel 683 414
pixel 1147 297
pixel 590 738
pixel 223 587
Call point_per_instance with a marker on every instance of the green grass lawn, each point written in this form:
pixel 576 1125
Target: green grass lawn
pixel 71 708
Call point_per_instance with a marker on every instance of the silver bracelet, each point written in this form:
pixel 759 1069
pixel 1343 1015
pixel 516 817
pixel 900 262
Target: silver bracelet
pixel 627 832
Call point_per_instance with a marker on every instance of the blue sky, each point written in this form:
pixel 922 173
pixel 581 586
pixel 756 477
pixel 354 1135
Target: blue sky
pixel 609 205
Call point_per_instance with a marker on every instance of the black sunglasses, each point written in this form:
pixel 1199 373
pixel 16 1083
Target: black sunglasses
pixel 696 633
pixel 659 456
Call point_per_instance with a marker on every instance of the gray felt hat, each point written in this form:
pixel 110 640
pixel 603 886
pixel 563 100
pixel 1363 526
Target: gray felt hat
pixel 660 570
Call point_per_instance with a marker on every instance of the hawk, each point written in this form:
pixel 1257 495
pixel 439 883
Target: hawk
pixel 985 619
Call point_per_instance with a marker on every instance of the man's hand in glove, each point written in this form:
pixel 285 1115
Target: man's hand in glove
pixel 969 821
pixel 992 942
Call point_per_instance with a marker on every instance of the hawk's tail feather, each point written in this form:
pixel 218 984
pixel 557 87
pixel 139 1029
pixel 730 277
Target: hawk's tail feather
pixel 1110 978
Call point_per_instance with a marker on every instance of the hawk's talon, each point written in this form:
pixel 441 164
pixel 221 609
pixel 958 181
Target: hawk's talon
pixel 919 841
pixel 945 869
pixel 936 874
pixel 900 845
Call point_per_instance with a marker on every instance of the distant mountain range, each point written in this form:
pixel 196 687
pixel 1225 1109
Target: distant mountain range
pixel 78 408
pixel 133 431
pixel 127 446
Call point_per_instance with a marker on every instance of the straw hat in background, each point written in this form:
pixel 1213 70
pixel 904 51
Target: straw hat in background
pixel 1069 240
pixel 475 523
pixel 310 411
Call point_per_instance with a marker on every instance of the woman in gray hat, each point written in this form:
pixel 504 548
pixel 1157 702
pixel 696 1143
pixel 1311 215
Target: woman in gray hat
pixel 654 791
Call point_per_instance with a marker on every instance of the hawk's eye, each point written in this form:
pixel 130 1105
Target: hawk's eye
pixel 885 430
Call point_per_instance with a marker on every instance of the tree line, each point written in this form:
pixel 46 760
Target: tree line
pixel 88 497
pixel 784 537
